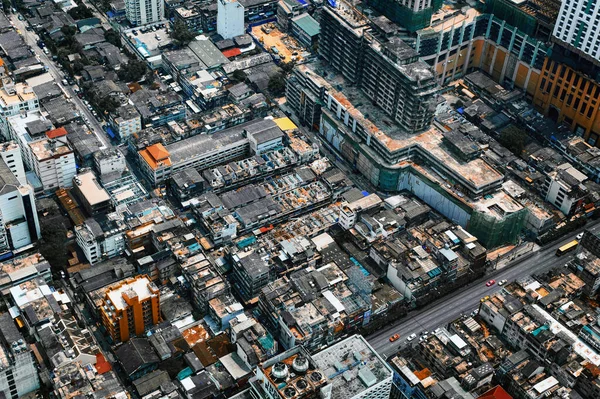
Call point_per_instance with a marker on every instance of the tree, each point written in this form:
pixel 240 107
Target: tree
pixel 134 70
pixel 277 84
pixel 80 12
pixel 181 34
pixel 52 244
pixel 287 66
pixel 514 139
pixel 68 30
pixel 238 75
pixel 112 37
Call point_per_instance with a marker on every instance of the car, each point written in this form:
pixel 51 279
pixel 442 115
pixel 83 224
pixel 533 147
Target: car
pixel 422 338
pixel 485 298
pixel 474 313
pixel 437 331
pixel 490 283
pixel 424 332
pixel 411 337
pixel 394 337
pixel 502 282
pixel 579 236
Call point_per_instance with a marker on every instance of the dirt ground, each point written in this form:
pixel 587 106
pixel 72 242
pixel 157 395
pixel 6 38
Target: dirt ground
pixel 284 43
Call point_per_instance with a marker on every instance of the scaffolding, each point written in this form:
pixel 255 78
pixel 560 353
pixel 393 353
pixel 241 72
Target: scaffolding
pixel 404 16
pixel 493 232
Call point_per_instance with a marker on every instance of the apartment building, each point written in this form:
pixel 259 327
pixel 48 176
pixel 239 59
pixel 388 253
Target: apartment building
pixel 11 154
pixel 143 12
pixel 101 238
pixel 125 121
pixel 53 161
pixel 92 195
pixel 577 28
pixel 564 188
pixel 129 308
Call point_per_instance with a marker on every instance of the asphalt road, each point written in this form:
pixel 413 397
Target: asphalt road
pixel 450 307
pixel 31 39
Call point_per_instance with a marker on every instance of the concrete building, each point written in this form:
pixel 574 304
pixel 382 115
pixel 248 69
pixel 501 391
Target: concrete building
pixel 143 12
pixel 129 308
pixel 230 18
pixel 250 274
pixel 576 28
pixel 411 15
pixel 16 98
pixel 101 239
pixel 109 161
pixel 92 195
pixel 340 363
pixel 19 225
pixel 18 372
pixel 125 121
pixel 53 161
pixel 158 162
pixel 564 188
pixel 11 154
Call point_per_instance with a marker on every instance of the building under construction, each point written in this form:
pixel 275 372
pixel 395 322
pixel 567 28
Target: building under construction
pixel 411 15
pixel 534 17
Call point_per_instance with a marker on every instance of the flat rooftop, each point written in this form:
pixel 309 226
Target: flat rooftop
pixel 90 188
pixel 140 287
pixel 365 368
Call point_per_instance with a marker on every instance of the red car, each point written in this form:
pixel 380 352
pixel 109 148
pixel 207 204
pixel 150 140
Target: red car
pixel 490 283
pixel 394 337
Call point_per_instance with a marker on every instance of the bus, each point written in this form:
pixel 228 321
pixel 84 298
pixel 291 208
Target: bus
pixel 567 248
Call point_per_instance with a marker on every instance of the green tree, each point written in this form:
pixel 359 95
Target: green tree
pixel 181 34
pixel 277 84
pixel 287 66
pixel 238 75
pixel 514 139
pixel 6 5
pixel 68 30
pixel 80 12
pixel 52 244
pixel 134 70
pixel 113 38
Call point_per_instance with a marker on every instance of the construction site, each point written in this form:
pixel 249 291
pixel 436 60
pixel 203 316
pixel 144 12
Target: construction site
pixel 282 46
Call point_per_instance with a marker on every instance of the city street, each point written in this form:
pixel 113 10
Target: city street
pixel 31 39
pixel 450 307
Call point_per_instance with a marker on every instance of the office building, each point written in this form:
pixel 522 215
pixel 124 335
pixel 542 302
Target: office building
pixel 577 28
pixel 143 12
pixel 230 18
pixel 18 371
pixel 19 225
pixel 92 195
pixel 129 308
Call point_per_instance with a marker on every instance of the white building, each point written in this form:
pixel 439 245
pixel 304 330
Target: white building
pixel 100 240
pixel 11 153
pixel 577 26
pixel 143 12
pixel 564 188
pixel 16 98
pixel 126 121
pixel 363 374
pixel 53 162
pixel 109 161
pixel 19 225
pixel 230 18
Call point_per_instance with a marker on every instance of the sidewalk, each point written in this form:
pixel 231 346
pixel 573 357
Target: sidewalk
pixel 526 250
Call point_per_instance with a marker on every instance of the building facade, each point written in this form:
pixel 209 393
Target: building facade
pixel 129 308
pixel 230 18
pixel 143 12
pixel 577 28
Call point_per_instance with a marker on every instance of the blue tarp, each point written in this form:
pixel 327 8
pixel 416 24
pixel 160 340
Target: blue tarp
pixel 461 110
pixel 332 3
pixel 365 193
pixel 110 132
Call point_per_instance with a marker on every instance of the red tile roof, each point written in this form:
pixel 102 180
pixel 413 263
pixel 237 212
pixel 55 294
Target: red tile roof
pixel 52 134
pixel 232 52
pixel 496 393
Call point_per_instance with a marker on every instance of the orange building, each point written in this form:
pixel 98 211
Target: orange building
pixel 566 96
pixel 130 307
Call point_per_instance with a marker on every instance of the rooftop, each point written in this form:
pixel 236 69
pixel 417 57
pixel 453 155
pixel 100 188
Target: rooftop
pixel 140 287
pixel 90 188
pixel 352 366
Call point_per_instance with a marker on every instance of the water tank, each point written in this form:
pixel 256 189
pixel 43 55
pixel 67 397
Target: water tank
pixel 289 392
pixel 300 364
pixel 279 371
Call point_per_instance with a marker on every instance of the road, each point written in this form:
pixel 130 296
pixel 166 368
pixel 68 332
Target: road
pixel 450 307
pixel 31 38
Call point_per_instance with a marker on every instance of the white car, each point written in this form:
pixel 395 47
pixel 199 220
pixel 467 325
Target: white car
pixel 501 283
pixel 579 236
pixel 411 337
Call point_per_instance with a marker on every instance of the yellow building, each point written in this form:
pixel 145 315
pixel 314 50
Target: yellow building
pixel 130 307
pixel 565 95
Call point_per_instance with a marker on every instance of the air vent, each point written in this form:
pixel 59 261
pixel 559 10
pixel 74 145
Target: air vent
pixel 289 392
pixel 279 371
pixel 300 364
pixel 301 384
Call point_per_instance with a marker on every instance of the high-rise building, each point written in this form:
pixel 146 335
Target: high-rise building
pixel 577 28
pixel 411 15
pixel 19 225
pixel 129 308
pixel 230 18
pixel 143 12
pixel 11 153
